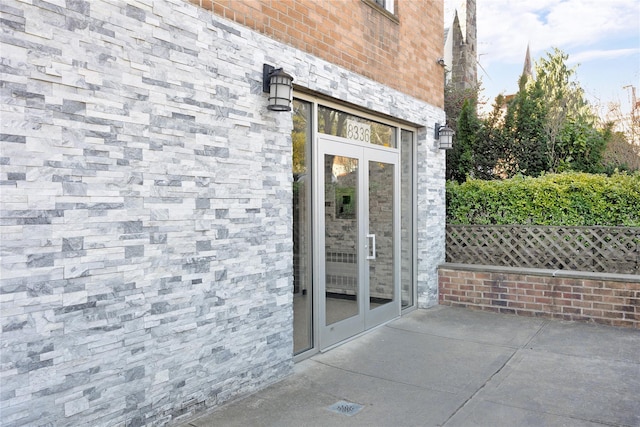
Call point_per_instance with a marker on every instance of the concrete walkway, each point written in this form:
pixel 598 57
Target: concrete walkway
pixel 456 367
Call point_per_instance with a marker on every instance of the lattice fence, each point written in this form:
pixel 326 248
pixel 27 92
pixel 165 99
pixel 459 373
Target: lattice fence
pixel 596 249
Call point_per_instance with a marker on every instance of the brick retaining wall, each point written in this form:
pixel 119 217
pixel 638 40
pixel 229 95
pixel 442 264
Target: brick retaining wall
pixel 611 299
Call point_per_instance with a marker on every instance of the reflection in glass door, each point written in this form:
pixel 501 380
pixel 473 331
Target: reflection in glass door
pixel 302 256
pixel 380 237
pixel 340 237
pixel 407 252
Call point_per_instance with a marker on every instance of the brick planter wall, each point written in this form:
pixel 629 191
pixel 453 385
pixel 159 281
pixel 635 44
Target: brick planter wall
pixel 611 299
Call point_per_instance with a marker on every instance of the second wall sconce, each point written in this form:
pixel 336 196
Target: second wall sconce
pixel 444 137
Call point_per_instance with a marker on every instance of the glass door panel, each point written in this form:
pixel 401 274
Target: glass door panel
pixel 341 185
pixel 380 237
pixel 340 230
pixel 407 264
pixel 382 243
pixel 302 228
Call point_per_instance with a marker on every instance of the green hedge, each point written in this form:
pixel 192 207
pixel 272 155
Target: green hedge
pixel 568 199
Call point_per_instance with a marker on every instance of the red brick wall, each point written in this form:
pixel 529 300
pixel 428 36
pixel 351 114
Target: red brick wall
pixel 611 299
pixel 398 50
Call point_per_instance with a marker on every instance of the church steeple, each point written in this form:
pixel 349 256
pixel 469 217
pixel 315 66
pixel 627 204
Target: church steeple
pixel 460 47
pixel 526 70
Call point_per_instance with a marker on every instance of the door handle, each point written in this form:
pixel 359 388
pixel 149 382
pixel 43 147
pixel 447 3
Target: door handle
pixel 371 253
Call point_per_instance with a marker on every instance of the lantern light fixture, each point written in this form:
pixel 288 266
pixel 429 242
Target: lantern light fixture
pixel 279 85
pixel 444 137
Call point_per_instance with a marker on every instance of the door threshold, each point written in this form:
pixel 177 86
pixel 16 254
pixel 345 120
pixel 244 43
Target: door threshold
pixel 358 335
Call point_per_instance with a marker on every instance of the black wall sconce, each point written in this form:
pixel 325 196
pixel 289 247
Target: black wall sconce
pixel 279 85
pixel 444 137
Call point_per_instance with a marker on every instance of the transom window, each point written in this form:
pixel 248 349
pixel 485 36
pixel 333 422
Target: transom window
pixel 339 123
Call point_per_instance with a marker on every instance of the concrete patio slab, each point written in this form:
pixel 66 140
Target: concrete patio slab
pixel 582 387
pixel 430 361
pixel 455 367
pixel 485 413
pixel 305 398
pixel 595 341
pixel 469 325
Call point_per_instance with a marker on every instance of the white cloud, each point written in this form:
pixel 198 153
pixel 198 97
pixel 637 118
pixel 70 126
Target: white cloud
pixel 602 36
pixel 591 55
pixel 505 27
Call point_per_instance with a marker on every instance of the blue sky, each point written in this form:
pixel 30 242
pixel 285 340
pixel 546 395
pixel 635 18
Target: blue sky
pixel 601 37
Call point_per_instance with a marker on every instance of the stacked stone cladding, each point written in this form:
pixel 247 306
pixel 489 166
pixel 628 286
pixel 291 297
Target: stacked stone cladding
pixel 146 209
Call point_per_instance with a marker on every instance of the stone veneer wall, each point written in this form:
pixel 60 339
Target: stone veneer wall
pixel 146 209
pixel 610 299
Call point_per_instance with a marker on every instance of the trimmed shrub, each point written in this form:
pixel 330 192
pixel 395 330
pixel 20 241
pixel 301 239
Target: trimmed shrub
pixel 569 199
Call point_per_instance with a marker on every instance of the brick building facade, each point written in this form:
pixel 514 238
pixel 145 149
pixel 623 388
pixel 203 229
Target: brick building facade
pixel 147 216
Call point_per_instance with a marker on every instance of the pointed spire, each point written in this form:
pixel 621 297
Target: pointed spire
pixel 526 71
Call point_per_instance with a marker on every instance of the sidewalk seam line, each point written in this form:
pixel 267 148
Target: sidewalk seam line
pixel 475 393
pixel 512 347
pixel 386 379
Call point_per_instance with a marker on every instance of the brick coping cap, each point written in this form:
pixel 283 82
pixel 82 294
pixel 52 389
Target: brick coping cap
pixel 569 274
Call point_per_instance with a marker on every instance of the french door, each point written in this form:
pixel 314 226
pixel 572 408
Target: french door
pixel 357 237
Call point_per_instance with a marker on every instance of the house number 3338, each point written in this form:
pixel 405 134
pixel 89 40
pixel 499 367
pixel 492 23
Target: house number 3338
pixel 358 131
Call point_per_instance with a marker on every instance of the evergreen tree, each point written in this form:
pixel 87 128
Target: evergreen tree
pixel 491 161
pixel 460 160
pixel 573 141
pixel 524 131
pixel 454 101
pixel 548 125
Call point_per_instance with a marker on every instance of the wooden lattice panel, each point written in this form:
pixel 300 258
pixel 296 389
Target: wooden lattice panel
pixel 595 249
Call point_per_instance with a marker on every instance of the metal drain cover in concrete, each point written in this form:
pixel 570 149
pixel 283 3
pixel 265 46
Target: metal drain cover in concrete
pixel 345 408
